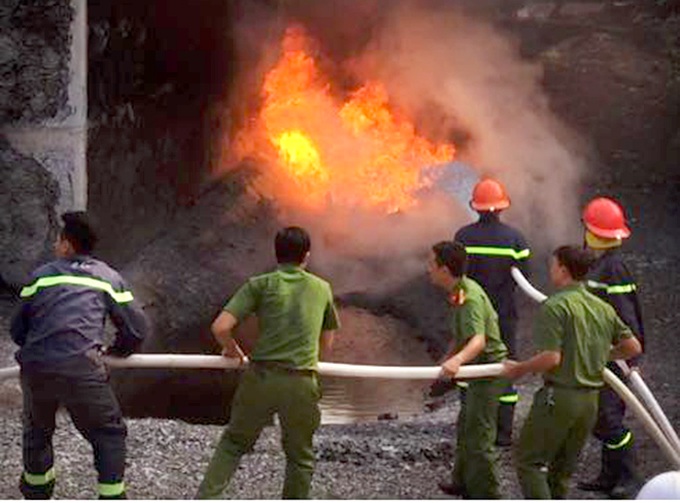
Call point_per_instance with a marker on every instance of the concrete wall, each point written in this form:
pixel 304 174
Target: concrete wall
pixel 43 137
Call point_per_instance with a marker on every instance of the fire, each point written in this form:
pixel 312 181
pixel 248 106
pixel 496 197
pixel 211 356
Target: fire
pixel 359 153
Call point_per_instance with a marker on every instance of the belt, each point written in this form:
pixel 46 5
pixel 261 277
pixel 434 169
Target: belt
pixel 281 367
pixel 550 384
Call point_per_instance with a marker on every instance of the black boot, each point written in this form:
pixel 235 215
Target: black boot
pixel 609 473
pixel 630 482
pixel 506 414
pixel 452 489
pixel 36 492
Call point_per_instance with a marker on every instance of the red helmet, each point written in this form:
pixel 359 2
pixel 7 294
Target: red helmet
pixel 489 195
pixel 604 217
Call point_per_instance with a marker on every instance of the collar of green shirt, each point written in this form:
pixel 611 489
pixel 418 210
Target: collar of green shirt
pixel 576 285
pixel 290 267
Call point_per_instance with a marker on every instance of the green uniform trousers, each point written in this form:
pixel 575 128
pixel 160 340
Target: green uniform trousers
pixel 475 466
pixel 558 425
pixel 263 392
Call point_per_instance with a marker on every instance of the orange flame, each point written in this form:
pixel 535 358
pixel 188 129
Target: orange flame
pixel 357 154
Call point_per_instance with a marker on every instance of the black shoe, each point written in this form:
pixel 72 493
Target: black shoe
pixel 504 441
pixel 625 491
pixel 452 489
pixel 597 485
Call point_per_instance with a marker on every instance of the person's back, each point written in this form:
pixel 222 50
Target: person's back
pixel 66 305
pixel 59 329
pixel 290 305
pixel 493 248
pixel 588 326
pixel 296 319
pixel 610 279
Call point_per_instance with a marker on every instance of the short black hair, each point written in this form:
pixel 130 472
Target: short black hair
pixel 452 255
pixel 291 245
pixel 577 260
pixel 79 232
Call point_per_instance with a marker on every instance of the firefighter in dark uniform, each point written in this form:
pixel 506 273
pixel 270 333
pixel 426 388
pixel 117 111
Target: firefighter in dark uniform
pixel 59 328
pixel 493 248
pixel 610 279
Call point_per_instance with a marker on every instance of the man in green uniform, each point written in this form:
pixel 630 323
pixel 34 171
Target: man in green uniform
pixel 296 319
pixel 574 332
pixel 476 339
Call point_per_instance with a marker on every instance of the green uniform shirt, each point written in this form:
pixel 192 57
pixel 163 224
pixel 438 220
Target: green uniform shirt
pixel 472 314
pixel 293 307
pixel 583 328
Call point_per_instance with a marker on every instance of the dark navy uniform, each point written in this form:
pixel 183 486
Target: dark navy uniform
pixel 60 328
pixel 493 248
pixel 610 279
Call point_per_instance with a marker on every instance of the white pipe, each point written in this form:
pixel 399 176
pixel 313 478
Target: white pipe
pixel 9 373
pixel 527 287
pixel 645 393
pixel 647 421
pixel 639 385
pixel 325 368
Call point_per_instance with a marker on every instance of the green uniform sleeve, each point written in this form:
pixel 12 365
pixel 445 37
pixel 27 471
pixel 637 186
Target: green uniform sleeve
pixel 621 330
pixel 548 329
pixel 472 319
pixel 244 302
pixel 331 320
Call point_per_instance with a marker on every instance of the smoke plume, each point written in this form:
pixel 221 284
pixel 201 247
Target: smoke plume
pixel 461 80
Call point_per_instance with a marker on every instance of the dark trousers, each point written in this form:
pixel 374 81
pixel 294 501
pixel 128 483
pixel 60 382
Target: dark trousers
pixel 80 385
pixel 509 397
pixel 609 428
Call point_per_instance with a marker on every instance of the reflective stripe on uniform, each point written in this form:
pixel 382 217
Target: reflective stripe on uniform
pixel 509 398
pixel 627 439
pixel 498 251
pixel 612 289
pixel 122 297
pixel 111 489
pixel 39 479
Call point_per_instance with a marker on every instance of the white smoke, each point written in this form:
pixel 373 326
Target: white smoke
pixel 453 74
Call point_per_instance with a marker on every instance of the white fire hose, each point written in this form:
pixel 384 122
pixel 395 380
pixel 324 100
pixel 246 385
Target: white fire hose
pixel 658 426
pixel 185 361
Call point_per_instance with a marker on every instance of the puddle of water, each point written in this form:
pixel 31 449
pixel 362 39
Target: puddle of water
pixel 352 400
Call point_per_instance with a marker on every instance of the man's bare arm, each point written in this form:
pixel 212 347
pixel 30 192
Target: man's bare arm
pixel 626 349
pixel 221 329
pixel 474 346
pixel 542 362
pixel 327 338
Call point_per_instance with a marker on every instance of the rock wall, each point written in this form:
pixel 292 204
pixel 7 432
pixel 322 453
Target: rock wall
pixel 42 127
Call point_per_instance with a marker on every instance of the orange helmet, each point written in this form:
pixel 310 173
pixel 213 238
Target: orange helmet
pixel 604 217
pixel 489 195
